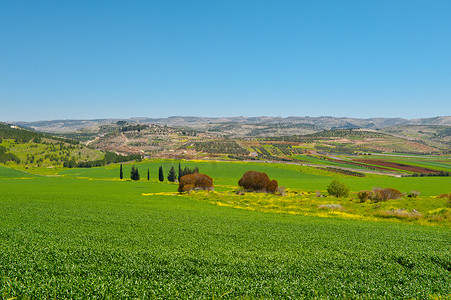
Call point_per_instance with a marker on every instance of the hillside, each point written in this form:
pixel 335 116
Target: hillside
pixel 339 149
pixel 165 141
pixel 438 136
pixel 205 123
pixel 29 149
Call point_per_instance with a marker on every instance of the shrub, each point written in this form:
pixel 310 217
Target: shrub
pixel 281 190
pixel 445 196
pixel 413 194
pixel 258 182
pixel 400 214
pixel 376 194
pixel 338 189
pixel 272 186
pixel 448 202
pixel 195 181
pixel 254 181
pixel 364 195
pixel 379 194
pixel 389 193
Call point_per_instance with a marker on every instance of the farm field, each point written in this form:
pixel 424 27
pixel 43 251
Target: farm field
pixel 303 184
pixel 227 174
pixel 86 234
pixel 78 238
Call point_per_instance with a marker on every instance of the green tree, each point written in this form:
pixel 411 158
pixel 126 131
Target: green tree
pixel 121 173
pixel 134 174
pixel 338 189
pixel 160 174
pixel 187 171
pixel 172 176
pixel 180 172
pixel 69 163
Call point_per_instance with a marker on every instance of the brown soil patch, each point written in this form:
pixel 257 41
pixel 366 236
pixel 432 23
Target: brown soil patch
pixel 395 165
pixel 357 164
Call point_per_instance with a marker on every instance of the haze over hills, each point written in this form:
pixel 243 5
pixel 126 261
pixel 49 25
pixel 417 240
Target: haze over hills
pixel 304 124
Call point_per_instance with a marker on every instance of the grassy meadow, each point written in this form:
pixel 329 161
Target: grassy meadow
pixel 227 174
pixel 87 234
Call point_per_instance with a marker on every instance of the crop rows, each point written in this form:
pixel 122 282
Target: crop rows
pixel 78 238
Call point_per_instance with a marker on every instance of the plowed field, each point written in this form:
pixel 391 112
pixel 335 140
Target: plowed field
pixel 396 165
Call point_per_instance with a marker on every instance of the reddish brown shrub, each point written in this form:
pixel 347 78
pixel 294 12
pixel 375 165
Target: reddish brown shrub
pixel 254 181
pixel 257 181
pixel 386 194
pixel 272 186
pixel 195 181
pixel 444 196
pixel 389 193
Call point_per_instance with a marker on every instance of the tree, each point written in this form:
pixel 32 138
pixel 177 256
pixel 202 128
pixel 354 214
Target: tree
pixel 148 174
pixel 196 170
pixel 172 176
pixel 180 172
pixel 160 174
pixel 72 163
pixel 338 189
pixel 121 173
pixel 134 174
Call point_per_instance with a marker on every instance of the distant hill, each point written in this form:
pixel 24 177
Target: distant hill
pixel 307 124
pixel 26 148
pixel 105 134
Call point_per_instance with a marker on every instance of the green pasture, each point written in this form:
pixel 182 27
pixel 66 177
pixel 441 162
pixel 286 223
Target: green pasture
pixel 223 173
pixel 227 174
pixel 434 165
pixel 6 172
pixel 87 238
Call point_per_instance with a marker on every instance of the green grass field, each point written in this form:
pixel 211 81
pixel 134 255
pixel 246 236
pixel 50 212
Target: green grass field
pixel 88 235
pixel 227 174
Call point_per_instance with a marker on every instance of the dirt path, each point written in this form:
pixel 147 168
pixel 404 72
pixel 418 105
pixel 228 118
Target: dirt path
pixel 92 141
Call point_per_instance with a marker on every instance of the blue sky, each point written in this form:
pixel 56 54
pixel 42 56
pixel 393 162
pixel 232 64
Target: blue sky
pixel 120 59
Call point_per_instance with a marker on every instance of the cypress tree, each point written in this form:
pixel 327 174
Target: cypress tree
pixel 121 174
pixel 172 176
pixel 187 171
pixel 160 174
pixel 148 174
pixel 180 172
pixel 134 174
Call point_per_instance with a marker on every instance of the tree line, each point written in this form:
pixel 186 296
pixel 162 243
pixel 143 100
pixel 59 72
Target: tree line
pixel 172 175
pixel 6 156
pixel 109 158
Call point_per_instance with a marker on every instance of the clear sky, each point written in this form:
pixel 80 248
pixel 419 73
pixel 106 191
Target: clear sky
pixel 119 59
